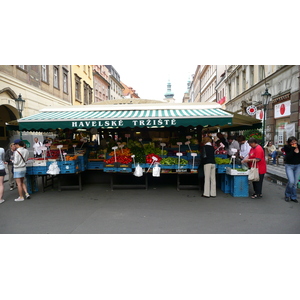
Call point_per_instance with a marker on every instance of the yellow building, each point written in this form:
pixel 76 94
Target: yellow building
pixel 82 84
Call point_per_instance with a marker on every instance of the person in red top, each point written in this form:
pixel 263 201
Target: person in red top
pixel 257 154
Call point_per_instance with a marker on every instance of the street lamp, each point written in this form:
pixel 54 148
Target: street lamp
pixel 20 104
pixel 265 101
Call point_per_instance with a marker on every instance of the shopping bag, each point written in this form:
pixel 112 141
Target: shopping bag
pixel 53 169
pixel 253 173
pixel 138 172
pixel 156 171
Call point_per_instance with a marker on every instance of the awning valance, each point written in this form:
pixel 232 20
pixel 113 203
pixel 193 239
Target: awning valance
pixel 123 117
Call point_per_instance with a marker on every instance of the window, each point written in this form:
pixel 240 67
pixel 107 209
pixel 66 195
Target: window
pixel 77 88
pixel 244 80
pixel 44 73
pixel 85 93
pixel 65 83
pixel 251 75
pixel 55 77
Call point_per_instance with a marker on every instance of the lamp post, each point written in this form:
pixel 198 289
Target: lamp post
pixel 20 104
pixel 265 101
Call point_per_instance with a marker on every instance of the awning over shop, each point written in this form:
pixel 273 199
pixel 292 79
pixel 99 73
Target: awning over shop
pixel 122 116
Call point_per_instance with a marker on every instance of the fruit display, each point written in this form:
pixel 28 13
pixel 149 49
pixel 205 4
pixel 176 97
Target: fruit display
pixel 121 159
pixel 69 158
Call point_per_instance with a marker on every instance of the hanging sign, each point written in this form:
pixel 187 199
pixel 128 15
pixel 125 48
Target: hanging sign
pixel 251 110
pixel 282 109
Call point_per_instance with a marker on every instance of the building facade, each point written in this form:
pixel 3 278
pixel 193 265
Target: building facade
pixel 101 83
pixel 82 84
pixel 129 92
pixel 245 86
pixel 39 85
pixel 116 87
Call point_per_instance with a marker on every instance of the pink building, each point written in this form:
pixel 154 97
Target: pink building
pixel 101 83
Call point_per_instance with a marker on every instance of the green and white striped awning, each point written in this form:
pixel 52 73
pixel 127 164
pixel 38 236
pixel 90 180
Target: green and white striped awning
pixel 118 118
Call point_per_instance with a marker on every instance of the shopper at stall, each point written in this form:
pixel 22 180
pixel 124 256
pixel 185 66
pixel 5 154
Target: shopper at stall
pixel 222 139
pixel 2 173
pixel 20 157
pixel 257 154
pixel 232 144
pixel 208 160
pixel 244 147
pixel 37 151
pixel 292 168
pixel 9 154
pixel 271 151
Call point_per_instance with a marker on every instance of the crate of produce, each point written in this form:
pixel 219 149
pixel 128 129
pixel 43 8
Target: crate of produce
pixel 29 170
pixel 221 169
pixel 39 163
pixel 226 183
pixel 95 165
pixel 68 167
pixel 39 170
pixel 124 170
pixel 239 186
pixel 29 163
pixel 31 184
pixel 237 172
pixel 221 155
pixel 171 167
pixel 110 169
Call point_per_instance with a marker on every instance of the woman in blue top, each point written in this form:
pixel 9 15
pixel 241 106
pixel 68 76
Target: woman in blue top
pixel 292 168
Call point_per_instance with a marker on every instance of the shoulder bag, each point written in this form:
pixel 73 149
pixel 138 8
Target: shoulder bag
pixel 253 173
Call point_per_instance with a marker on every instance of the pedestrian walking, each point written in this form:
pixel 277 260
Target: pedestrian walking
pixel 9 154
pixel 21 155
pixel 209 167
pixel 2 173
pixel 272 152
pixel 37 151
pixel 257 154
pixel 292 168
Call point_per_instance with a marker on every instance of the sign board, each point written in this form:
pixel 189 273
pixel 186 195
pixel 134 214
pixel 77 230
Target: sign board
pixel 282 109
pixel 251 110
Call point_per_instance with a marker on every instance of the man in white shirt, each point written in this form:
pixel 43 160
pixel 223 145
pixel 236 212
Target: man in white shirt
pixel 244 147
pixel 37 151
pixel 232 144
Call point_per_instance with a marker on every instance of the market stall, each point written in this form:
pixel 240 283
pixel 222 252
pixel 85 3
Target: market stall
pixel 164 136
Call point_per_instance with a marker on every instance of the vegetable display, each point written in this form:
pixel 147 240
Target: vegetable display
pixel 222 161
pixel 173 161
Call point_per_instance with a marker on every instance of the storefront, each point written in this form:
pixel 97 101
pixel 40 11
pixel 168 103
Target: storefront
pixel 175 121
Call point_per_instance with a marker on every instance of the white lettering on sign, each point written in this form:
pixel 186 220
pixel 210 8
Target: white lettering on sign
pixel 120 123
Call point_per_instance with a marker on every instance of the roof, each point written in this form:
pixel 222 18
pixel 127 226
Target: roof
pixel 121 116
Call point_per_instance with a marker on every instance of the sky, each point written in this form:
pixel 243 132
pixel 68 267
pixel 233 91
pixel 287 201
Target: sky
pixel 150 81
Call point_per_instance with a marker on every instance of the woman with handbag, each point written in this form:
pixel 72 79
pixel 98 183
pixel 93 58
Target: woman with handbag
pixel 257 155
pixel 21 155
pixel 292 168
pixel 209 167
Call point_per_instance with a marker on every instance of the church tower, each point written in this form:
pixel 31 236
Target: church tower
pixel 169 95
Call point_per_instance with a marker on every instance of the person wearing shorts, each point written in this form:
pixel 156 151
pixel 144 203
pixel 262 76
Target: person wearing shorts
pixel 21 155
